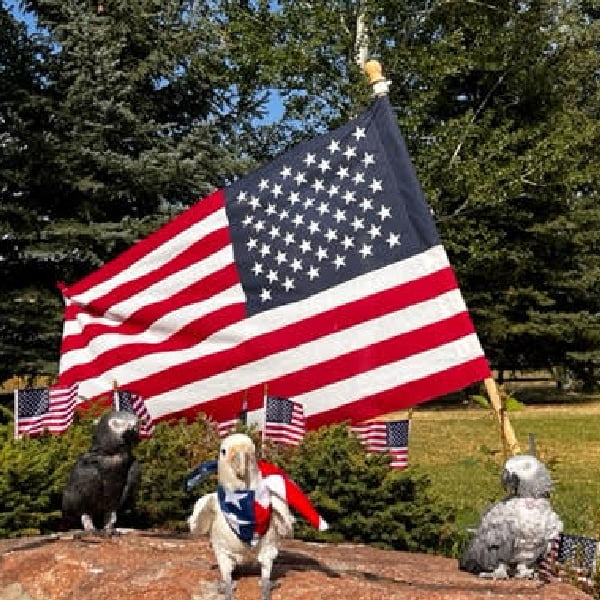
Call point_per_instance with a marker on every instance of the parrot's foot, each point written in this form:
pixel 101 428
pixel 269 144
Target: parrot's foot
pixel 78 535
pixel 266 586
pixel 499 572
pixel 524 572
pixel 88 524
pixel 226 588
pixel 109 532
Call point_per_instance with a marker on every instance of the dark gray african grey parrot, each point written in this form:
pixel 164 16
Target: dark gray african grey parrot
pixel 515 532
pixel 105 476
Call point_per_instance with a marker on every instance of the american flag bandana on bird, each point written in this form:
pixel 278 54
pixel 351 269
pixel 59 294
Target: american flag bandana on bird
pixel 250 511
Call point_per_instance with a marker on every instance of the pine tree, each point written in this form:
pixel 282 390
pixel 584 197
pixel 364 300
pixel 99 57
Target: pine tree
pixel 128 115
pixel 29 317
pixel 131 107
pixel 498 101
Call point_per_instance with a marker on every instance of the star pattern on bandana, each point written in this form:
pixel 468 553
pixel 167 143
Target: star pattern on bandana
pixel 235 498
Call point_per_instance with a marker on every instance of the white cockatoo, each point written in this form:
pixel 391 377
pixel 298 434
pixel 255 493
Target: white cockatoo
pixel 515 532
pixel 249 513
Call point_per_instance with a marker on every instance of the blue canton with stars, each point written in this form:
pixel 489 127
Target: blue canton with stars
pixel 397 433
pixel 583 551
pixel 238 509
pixel 331 209
pixel 279 410
pixel 33 402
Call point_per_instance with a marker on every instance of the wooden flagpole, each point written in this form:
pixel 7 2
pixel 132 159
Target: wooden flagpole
pixel 380 85
pixel 374 72
pixel 244 409
pixel 16 411
pixel 262 433
pixel 509 439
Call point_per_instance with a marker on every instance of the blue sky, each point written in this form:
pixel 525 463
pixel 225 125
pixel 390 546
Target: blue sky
pixel 14 8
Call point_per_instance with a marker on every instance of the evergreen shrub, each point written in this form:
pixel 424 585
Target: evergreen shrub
pixel 362 499
pixel 32 476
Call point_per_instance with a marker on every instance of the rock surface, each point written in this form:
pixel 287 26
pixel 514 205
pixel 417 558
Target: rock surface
pixel 152 566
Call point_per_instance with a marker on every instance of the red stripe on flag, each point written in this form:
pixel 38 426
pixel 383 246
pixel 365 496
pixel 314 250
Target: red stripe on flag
pixel 193 254
pixel 197 330
pixel 138 321
pixel 405 395
pixel 198 212
pixel 373 405
pixel 292 335
pixel 372 356
pixel 322 373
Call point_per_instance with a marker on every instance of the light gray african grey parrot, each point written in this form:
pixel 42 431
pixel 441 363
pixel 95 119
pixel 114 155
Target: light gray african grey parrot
pixel 105 476
pixel 515 532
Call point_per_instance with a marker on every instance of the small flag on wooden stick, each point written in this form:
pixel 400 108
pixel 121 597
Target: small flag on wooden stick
pixel 224 428
pixel 134 403
pixel 284 420
pixel 39 409
pixel 571 558
pixel 386 436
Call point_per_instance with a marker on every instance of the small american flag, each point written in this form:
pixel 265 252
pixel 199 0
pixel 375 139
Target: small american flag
pixel 284 420
pixel 134 403
pixel 571 557
pixel 226 427
pixel 386 436
pixel 38 409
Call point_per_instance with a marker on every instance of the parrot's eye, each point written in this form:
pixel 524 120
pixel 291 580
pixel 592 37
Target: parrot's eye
pixel 223 452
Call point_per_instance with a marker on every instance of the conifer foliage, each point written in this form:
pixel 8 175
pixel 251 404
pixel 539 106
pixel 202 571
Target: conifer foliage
pixel 362 499
pixel 115 116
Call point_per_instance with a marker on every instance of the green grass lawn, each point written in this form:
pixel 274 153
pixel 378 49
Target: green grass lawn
pixel 460 450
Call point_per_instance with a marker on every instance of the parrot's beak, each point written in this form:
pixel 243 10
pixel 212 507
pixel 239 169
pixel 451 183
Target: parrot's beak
pixel 133 432
pixel 510 481
pixel 239 465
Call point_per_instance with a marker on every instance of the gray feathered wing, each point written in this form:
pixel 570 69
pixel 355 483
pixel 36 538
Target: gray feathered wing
pixel 83 487
pixel 493 542
pixel 132 483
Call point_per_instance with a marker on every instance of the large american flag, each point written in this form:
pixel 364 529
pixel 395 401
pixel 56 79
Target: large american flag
pixel 39 409
pixel 284 421
pixel 386 436
pixel 320 274
pixel 134 403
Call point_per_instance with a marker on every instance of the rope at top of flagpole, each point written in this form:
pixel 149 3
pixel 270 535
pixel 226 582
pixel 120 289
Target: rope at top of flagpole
pixel 379 83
